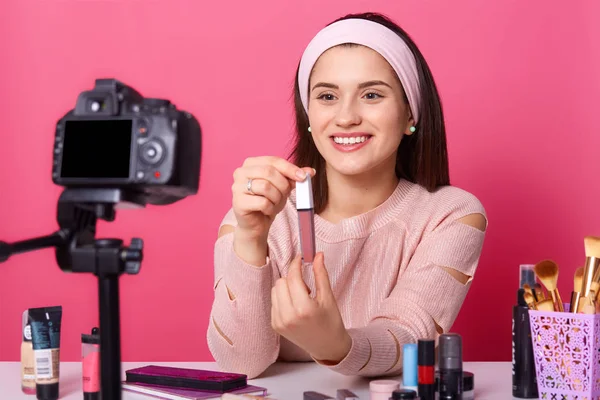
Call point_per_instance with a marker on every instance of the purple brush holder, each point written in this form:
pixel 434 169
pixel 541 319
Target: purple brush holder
pixel 566 349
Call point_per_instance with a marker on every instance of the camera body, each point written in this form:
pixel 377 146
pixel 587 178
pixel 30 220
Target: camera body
pixel 116 138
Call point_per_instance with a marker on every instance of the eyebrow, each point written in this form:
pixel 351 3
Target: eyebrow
pixel 360 86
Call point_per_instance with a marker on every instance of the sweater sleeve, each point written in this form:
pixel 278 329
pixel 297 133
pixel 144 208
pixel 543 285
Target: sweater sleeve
pixel 239 335
pixel 426 296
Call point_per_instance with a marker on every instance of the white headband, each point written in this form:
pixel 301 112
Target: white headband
pixel 370 34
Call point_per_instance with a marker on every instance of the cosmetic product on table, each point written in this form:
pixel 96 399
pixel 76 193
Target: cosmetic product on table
pixel 345 394
pixel 187 378
pixel 90 365
pixel 382 389
pixel 45 333
pixel 311 395
pixel 27 361
pixel 563 338
pixel 524 383
pixel 306 224
pixel 174 393
pixel 450 367
pixel 409 366
pixel 426 369
pixel 468 385
pixel 403 394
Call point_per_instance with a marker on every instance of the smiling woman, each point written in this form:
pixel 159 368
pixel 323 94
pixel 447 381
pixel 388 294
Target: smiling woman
pixel 398 246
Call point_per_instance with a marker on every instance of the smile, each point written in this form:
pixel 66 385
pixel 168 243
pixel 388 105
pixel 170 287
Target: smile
pixel 350 140
pixel 347 143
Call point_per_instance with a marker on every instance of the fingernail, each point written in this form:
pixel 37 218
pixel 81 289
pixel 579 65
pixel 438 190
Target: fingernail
pixel 314 171
pixel 301 174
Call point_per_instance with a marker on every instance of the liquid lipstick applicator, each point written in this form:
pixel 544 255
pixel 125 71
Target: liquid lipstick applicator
pixel 306 222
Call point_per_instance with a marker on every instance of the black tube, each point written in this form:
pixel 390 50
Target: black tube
pixel 524 380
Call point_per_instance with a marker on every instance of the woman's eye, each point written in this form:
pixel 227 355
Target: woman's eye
pixel 372 96
pixel 326 96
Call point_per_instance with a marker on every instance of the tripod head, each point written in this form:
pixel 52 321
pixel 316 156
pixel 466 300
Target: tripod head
pixel 114 150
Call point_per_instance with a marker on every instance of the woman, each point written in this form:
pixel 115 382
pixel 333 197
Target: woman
pixel 397 245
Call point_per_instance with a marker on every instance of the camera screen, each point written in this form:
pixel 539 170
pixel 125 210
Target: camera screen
pixel 96 149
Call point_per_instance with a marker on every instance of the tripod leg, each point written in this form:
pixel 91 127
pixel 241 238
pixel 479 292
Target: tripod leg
pixel 110 337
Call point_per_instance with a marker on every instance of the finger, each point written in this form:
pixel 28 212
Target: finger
pixel 247 203
pixel 264 172
pixel 322 283
pixel 275 322
pixel 284 300
pixel 285 167
pixel 261 187
pixel 310 171
pixel 298 290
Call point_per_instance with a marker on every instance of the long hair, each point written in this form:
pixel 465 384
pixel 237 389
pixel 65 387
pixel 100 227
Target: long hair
pixel 422 157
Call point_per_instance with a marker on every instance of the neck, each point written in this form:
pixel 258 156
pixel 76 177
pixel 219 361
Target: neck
pixel 349 196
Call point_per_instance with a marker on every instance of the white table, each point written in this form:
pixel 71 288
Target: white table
pixel 285 381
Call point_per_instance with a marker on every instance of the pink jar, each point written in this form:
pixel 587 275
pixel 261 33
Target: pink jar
pixel 382 389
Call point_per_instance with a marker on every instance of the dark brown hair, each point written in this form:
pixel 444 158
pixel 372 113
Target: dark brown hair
pixel 422 157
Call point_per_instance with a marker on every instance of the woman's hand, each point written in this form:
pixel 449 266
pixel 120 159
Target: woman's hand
pixel 271 181
pixel 260 189
pixel 312 323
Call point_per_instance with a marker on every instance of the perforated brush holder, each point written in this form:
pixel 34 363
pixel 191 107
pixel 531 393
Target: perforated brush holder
pixel 566 348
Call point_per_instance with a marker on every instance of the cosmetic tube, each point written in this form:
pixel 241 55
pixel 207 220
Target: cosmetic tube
pixel 450 367
pixel 27 364
pixel 45 329
pixel 409 366
pixel 90 363
pixel 524 380
pixel 306 222
pixel 426 374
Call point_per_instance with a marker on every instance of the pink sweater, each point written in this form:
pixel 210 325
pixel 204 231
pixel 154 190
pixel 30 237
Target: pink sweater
pixel 385 271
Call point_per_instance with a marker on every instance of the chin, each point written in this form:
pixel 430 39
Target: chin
pixel 351 168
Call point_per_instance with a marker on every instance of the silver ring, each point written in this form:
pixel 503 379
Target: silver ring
pixel 249 186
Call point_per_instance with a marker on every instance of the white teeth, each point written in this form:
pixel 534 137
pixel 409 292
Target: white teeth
pixel 351 140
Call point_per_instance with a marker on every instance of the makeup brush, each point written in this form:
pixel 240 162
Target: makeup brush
pixel 547 273
pixel 530 300
pixel 592 259
pixel 539 292
pixel 589 306
pixel 576 293
pixel 545 305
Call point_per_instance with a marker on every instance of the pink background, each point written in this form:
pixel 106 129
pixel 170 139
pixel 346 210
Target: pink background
pixel 520 83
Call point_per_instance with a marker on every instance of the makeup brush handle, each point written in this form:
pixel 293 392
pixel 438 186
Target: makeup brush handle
pixel 591 263
pixel 574 304
pixel 558 306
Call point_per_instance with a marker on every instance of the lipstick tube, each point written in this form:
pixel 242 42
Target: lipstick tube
pixel 426 369
pixel 306 221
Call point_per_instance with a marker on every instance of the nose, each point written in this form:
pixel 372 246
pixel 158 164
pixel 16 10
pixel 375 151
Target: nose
pixel 348 114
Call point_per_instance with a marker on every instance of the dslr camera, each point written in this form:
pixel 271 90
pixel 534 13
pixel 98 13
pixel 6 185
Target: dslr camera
pixel 116 138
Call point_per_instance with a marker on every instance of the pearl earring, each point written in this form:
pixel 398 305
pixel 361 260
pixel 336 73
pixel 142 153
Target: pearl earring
pixel 413 129
pixel 309 129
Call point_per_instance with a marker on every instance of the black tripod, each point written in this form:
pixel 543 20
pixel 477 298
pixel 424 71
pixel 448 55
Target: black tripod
pixel 77 250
